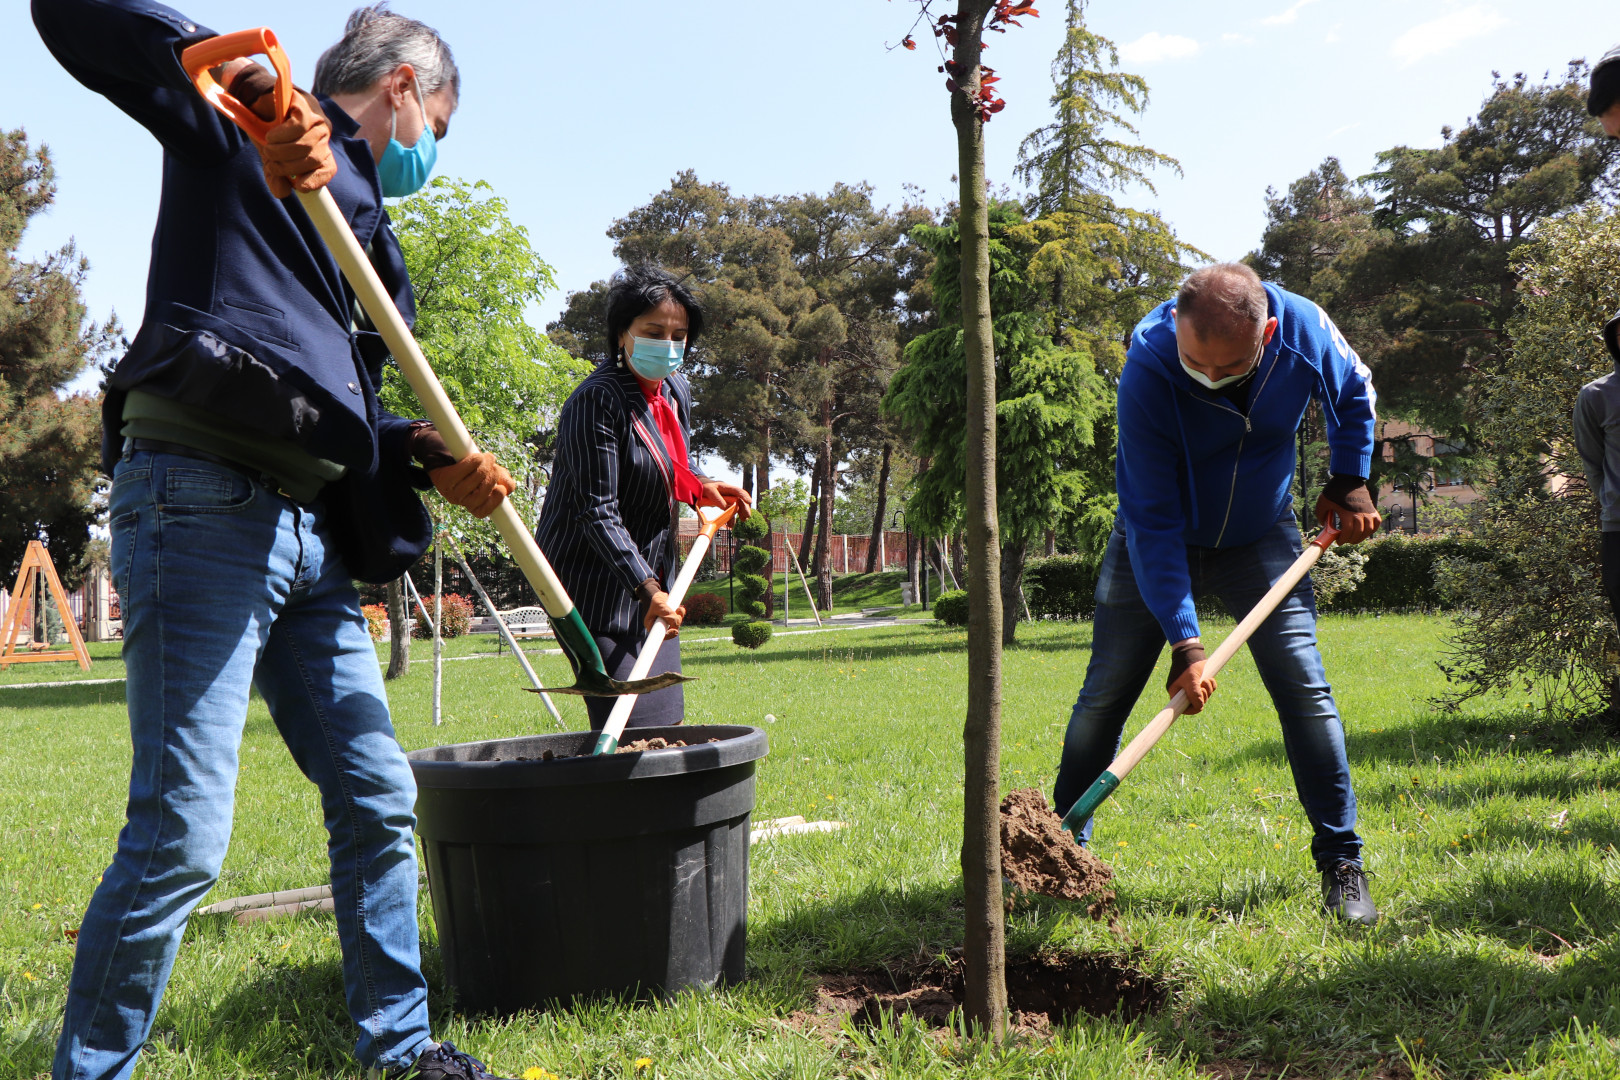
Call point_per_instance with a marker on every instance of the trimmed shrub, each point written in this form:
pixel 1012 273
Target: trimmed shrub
pixel 1400 573
pixel 748 563
pixel 1061 586
pixel 376 620
pixel 706 609
pixel 751 635
pixel 457 616
pixel 951 608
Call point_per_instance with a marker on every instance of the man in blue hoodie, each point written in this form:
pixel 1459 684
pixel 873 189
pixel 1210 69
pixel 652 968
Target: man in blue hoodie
pixel 1211 397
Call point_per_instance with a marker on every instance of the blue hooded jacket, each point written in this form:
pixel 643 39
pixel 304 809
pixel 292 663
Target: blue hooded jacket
pixel 1193 471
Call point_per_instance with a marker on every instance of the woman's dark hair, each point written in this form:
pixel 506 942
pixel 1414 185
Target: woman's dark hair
pixel 636 290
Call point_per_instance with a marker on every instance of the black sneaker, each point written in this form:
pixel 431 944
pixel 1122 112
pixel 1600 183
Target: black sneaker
pixel 445 1062
pixel 1344 894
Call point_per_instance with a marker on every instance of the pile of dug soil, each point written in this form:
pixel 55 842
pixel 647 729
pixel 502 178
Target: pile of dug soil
pixel 1038 856
pixel 1042 991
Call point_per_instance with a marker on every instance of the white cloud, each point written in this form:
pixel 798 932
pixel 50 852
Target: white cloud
pixel 1237 39
pixel 1333 33
pixel 1154 46
pixel 1345 128
pixel 1283 18
pixel 1438 35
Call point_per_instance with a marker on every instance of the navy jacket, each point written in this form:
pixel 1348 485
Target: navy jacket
pixel 609 519
pixel 1194 471
pixel 247 314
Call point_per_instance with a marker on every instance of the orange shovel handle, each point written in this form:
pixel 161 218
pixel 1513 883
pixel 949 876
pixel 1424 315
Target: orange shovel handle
pixel 712 528
pixel 201 58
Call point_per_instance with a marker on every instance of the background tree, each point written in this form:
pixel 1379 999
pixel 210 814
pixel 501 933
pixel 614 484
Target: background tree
pixel 1049 399
pixel 1537 617
pixel 857 258
pixel 50 441
pixel 1428 300
pixel 475 277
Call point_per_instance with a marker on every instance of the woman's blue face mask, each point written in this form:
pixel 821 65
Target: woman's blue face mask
pixel 404 169
pixel 655 359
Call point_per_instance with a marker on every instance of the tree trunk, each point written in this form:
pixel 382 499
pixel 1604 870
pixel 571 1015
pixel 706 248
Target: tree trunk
pixel 911 566
pixel 762 477
pixel 807 541
pixel 984 955
pixel 824 537
pixel 1051 543
pixel 1013 554
pixel 399 630
pixel 958 570
pixel 748 477
pixel 874 550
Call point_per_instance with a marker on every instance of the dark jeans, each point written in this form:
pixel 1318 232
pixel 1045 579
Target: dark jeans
pixel 1611 570
pixel 662 708
pixel 1127 640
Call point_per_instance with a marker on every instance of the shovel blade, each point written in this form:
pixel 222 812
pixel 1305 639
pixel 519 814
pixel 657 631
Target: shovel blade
pixel 592 684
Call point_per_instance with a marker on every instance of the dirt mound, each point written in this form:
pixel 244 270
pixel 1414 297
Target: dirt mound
pixel 1038 856
pixel 1042 991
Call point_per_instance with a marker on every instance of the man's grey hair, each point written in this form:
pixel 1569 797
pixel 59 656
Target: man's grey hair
pixel 375 43
pixel 1226 300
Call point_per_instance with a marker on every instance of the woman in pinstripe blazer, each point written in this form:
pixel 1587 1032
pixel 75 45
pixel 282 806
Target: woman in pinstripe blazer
pixel 624 465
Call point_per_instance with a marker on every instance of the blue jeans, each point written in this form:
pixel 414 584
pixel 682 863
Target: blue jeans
pixel 1127 640
pixel 226 584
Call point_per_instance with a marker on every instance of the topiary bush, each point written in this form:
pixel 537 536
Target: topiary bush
pixel 706 609
pixel 747 565
pixel 751 635
pixel 951 608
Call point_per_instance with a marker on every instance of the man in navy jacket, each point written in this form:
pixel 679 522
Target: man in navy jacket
pixel 254 476
pixel 1213 390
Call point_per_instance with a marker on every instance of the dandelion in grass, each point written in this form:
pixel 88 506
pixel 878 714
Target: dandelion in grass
pixel 1124 843
pixel 29 975
pixel 535 1072
pixel 36 907
pixel 643 1063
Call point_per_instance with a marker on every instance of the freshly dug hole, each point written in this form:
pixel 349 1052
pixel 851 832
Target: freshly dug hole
pixel 1042 991
pixel 1038 856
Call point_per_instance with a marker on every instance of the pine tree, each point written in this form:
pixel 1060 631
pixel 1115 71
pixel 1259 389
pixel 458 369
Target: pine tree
pixel 49 442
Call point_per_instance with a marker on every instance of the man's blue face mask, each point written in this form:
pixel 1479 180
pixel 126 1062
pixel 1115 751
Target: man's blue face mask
pixel 656 358
pixel 404 169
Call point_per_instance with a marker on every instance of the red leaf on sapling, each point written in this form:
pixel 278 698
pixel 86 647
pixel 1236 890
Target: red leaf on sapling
pixel 909 44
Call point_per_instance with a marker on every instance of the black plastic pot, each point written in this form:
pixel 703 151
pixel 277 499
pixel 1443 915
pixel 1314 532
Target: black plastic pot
pixel 625 874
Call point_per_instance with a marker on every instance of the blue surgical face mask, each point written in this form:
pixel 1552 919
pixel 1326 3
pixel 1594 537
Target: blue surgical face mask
pixel 404 169
pixel 655 358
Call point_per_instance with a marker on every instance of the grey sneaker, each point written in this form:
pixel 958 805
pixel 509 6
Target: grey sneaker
pixel 1345 895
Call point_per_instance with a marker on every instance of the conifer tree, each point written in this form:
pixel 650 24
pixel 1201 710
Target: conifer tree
pixel 49 443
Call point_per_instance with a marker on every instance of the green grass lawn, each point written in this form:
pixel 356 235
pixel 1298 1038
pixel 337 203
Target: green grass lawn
pixel 851 593
pixel 1490 833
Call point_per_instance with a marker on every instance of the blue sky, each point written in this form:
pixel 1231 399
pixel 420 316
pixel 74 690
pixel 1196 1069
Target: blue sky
pixel 578 112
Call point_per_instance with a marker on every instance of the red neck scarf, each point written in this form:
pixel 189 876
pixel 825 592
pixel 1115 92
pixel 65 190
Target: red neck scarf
pixel 683 483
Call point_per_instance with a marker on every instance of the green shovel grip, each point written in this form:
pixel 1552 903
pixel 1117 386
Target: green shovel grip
pixel 577 644
pixel 1087 804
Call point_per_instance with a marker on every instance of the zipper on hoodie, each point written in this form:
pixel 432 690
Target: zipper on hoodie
pixel 1231 495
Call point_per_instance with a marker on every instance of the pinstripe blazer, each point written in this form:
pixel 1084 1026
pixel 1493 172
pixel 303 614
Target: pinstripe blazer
pixel 608 523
